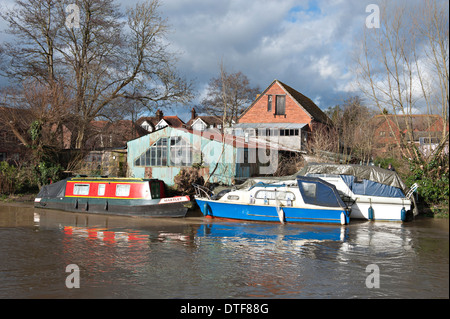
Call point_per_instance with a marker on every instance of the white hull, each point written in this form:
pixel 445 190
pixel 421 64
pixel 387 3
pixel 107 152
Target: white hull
pixel 384 208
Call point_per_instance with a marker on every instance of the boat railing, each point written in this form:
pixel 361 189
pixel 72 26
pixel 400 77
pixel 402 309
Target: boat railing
pixel 202 191
pixel 413 188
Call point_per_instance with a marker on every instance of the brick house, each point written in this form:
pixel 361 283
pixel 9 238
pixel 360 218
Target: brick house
pixel 284 113
pixel 389 129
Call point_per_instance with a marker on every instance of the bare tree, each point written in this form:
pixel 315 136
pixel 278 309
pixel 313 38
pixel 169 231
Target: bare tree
pixel 228 95
pixel 402 66
pixel 101 60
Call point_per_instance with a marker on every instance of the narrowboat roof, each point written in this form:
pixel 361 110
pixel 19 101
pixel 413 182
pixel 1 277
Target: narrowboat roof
pixel 108 179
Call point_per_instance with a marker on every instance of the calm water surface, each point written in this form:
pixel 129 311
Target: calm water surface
pixel 202 258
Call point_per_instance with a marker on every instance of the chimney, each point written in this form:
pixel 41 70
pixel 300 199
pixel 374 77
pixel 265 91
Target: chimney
pixel 159 115
pixel 193 114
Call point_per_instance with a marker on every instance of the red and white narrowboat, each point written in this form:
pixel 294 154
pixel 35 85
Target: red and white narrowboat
pixel 116 196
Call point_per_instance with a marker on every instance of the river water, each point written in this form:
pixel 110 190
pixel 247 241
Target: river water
pixel 195 257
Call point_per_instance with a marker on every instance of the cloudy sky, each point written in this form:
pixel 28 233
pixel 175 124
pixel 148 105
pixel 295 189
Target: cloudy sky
pixel 306 44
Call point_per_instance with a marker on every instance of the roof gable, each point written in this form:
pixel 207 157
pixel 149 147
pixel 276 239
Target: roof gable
pixel 305 103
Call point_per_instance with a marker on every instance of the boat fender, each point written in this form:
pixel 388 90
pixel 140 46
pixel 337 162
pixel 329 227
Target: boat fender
pixel 370 213
pixel 403 214
pixel 206 209
pixel 343 219
pixel 106 205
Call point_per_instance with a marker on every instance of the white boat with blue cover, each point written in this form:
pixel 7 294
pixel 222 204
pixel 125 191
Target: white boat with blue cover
pixel 302 200
pixel 372 192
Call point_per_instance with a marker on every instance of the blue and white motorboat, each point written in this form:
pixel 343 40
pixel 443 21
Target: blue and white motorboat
pixel 301 200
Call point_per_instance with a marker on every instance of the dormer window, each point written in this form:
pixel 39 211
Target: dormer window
pixel 146 126
pixel 161 125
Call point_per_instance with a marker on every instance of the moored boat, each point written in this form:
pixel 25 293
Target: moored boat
pixel 302 200
pixel 116 196
pixel 372 192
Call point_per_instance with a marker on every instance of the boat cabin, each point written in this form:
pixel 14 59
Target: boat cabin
pixel 115 188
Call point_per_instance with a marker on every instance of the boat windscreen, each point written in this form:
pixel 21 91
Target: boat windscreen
pixel 318 192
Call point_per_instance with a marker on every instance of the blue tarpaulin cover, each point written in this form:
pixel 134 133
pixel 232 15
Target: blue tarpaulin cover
pixel 371 188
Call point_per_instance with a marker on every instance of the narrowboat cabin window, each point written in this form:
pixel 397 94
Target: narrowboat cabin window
pixel 81 189
pixel 101 189
pixel 122 190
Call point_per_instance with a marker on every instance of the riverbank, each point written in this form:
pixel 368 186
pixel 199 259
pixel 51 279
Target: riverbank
pixel 18 198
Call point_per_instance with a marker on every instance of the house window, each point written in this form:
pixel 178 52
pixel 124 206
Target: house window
pixel 174 150
pixel 161 125
pixel 280 105
pixel 290 132
pixel 81 189
pixel 146 126
pixel 269 103
pixel 199 126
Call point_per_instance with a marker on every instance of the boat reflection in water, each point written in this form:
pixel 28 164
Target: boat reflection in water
pixel 267 233
pixel 115 230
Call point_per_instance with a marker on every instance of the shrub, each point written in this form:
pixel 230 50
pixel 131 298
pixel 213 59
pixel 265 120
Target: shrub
pixel 185 178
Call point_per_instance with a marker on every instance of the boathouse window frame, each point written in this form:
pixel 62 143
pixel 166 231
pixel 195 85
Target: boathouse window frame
pixel 180 152
pixel 167 151
pixel 81 189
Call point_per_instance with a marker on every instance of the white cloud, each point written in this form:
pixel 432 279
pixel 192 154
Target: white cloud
pixel 302 43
